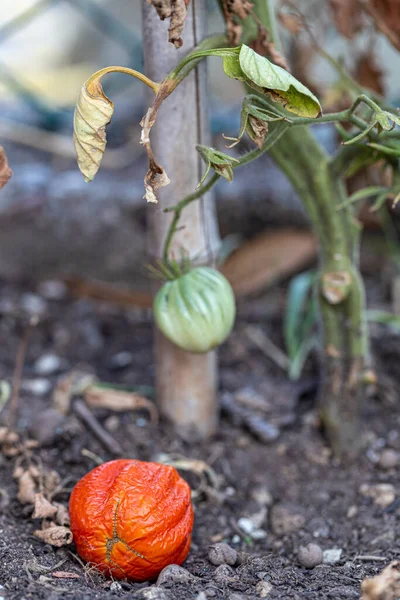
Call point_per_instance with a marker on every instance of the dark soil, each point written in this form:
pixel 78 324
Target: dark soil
pixel 320 499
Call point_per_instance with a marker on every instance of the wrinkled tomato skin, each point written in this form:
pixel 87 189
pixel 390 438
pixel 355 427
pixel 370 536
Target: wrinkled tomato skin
pixel 131 519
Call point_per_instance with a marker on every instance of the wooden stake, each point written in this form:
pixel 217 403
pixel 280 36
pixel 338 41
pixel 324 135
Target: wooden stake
pixel 186 383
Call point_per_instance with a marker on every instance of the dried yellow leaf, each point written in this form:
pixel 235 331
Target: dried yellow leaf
pixel 93 112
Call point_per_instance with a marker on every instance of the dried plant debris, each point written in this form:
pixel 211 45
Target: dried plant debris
pixel 175 11
pixel 5 171
pixel 98 396
pixel 37 487
pixel 234 11
pixel 385 586
pixel 347 16
pixel 11 444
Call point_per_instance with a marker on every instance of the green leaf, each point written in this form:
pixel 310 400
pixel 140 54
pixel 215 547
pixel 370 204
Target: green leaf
pixel 367 192
pixel 298 360
pixel 220 162
pixel 232 67
pixel 278 83
pixel 383 119
pixel 298 297
pixel 384 318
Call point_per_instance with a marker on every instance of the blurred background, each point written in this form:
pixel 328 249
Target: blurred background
pixel 51 222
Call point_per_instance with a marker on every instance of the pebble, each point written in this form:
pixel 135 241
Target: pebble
pixel 383 494
pixel 47 364
pixel 53 289
pixel 236 539
pixel 174 574
pixel 237 597
pixel 153 593
pixel 263 588
pixel 262 496
pixel 250 528
pixel 285 519
pixel 201 596
pixel 47 426
pixel 310 555
pixel 223 574
pixel 115 586
pixel 352 512
pixel 220 554
pixel 121 360
pixel 332 556
pixel 389 459
pixel 34 305
pixel 36 387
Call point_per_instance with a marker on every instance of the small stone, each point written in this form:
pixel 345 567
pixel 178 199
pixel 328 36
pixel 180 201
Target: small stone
pixel 310 556
pixel 153 593
pixel 48 364
pixel 112 423
pixel 285 520
pixel 237 597
pixel 263 588
pixel 53 289
pixel 332 556
pixel 201 596
pixel 261 574
pixel 223 574
pixel 47 426
pixel 250 528
pixel 36 387
pixel 262 496
pixel 121 360
pixel 383 494
pixel 352 512
pixel 115 586
pixel 389 459
pixel 236 539
pixel 220 554
pixel 174 574
pixel 34 305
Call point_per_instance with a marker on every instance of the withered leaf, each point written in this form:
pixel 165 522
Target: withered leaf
pixel 257 130
pixel 368 73
pixel 347 16
pixel 119 400
pixel 385 586
pixel 291 22
pixel 26 488
pixel 55 535
pixel 175 11
pixel 155 177
pixel 5 171
pixel 43 508
pixel 92 113
pixel 234 11
pixel 62 515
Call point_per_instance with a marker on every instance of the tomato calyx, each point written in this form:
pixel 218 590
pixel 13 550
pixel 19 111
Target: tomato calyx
pixel 171 269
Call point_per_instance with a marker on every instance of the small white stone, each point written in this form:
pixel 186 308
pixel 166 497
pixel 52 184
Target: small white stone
pixel 251 529
pixel 34 305
pixel 263 588
pixel 332 556
pixel 236 539
pixel 115 586
pixel 47 364
pixel 37 387
pixel 53 289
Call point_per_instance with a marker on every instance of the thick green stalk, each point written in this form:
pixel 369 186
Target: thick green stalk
pixel 340 290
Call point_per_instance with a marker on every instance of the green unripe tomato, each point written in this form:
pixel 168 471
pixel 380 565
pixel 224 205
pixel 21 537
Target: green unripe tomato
pixel 197 310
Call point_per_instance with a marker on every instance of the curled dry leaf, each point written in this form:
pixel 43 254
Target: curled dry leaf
pixel 291 22
pixel 368 74
pixel 155 177
pixel 175 11
pixel 73 383
pixel 92 113
pixel 5 171
pixel 26 488
pixel 55 535
pixel 347 16
pixel 62 515
pixel 385 586
pixel 43 508
pixel 235 10
pixel 118 400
